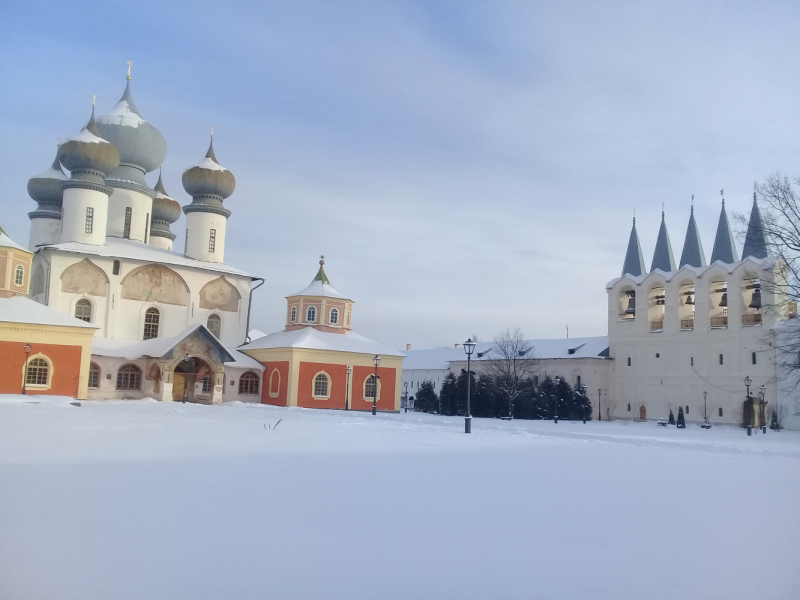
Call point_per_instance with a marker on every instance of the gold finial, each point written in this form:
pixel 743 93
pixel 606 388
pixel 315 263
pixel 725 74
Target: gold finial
pixel 94 97
pixel 130 64
pixel 321 260
pixel 212 131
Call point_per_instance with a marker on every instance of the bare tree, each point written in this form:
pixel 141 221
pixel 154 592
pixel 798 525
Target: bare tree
pixel 611 407
pixel 511 361
pixel 777 414
pixel 779 200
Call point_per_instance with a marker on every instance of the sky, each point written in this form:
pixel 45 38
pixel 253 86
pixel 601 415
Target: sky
pixel 463 166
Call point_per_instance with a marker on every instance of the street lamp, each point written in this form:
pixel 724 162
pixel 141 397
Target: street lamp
pixel 747 382
pixel 186 359
pixel 27 348
pixel 599 412
pixel 469 348
pixel 555 400
pixel 376 360
pixel 405 383
pixel 583 389
pixel 763 393
pixel 347 389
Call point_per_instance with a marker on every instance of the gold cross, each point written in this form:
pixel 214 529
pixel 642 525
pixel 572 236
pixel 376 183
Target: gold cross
pixel 212 131
pixel 129 63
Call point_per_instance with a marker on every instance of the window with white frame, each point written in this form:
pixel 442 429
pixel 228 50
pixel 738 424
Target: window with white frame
pixel 19 275
pixel 321 386
pixel 83 310
pixel 37 372
pixel 126 230
pixel 369 387
pixel 294 314
pixel 214 325
pixel 311 314
pixel 334 316
pixel 94 375
pixel 212 240
pixel 129 377
pixel 152 318
pixel 248 383
pixel 89 220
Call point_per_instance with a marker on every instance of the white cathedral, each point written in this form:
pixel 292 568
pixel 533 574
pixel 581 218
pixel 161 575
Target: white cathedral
pixel 167 323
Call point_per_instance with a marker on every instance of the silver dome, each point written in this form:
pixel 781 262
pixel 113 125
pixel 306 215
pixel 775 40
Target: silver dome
pixel 87 151
pixel 208 177
pixel 45 187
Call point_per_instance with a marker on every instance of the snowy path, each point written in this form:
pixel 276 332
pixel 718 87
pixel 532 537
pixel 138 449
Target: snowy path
pixel 148 500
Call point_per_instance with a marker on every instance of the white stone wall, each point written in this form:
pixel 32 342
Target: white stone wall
pixel 199 226
pixel 141 209
pixel 160 242
pixel 672 366
pixel 44 231
pixel 73 219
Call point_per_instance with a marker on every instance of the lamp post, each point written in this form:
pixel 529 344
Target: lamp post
pixel 469 348
pixel 27 348
pixel 405 383
pixel 599 412
pixel 705 406
pixel 747 382
pixel 763 393
pixel 186 359
pixel 347 389
pixel 585 398
pixel 376 360
pixel 555 400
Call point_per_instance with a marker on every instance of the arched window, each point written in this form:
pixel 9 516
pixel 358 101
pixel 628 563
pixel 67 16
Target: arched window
pixel 94 375
pixel 151 320
pixel 248 383
pixel 334 316
pixel 321 386
pixel 348 318
pixel 294 314
pixel 274 383
pixel 129 377
pixel 37 372
pixel 369 387
pixel 214 325
pixel 311 314
pixel 83 310
pixel 19 275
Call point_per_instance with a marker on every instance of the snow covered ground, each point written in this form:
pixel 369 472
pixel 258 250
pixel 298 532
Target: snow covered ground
pixel 141 499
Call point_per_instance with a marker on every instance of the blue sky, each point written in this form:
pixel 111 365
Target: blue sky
pixel 464 166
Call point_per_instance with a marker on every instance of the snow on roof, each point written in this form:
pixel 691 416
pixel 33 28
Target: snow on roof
pixel 52 173
pixel 21 309
pixel 207 163
pixel 121 114
pixel 440 358
pixel 244 362
pixel 320 288
pixel 8 242
pixel 154 347
pixel 85 136
pixel 312 339
pixel 764 263
pixel 133 250
pixel 255 334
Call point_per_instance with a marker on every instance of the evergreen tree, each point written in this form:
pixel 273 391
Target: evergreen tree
pixel 446 396
pixel 483 401
pixel 681 420
pixel 427 401
pixel 671 418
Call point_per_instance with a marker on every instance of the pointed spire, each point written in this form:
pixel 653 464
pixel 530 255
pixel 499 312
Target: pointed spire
pixel 692 254
pixel 160 186
pixel 662 257
pixel 755 242
pixel 321 273
pixel 127 96
pixel 210 154
pixel 91 126
pixel 724 246
pixel 634 261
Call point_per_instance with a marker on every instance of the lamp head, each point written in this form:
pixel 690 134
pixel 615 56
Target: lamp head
pixel 748 381
pixel 27 348
pixel 705 395
pixel 763 390
pixel 376 360
pixel 349 370
pixel 469 347
pixel 187 358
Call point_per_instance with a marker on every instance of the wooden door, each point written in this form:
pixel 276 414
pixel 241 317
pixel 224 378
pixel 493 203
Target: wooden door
pixel 642 413
pixel 178 385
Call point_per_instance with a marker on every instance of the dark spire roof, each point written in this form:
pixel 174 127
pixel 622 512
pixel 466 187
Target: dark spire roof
pixel 160 186
pixel 91 126
pixel 128 97
pixel 634 261
pixel 755 242
pixel 210 154
pixel 724 246
pixel 662 257
pixel 693 254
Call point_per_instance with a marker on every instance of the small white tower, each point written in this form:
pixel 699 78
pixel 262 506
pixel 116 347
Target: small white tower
pixel 45 188
pixel 165 212
pixel 85 194
pixel 208 183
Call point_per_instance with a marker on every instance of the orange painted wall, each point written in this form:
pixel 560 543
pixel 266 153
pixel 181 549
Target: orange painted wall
pixel 66 368
pixel 338 375
pixel 283 369
pixel 388 378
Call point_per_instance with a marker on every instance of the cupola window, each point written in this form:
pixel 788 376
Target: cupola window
pixel 212 240
pixel 311 314
pixel 294 314
pixel 19 275
pixel 334 316
pixel 89 220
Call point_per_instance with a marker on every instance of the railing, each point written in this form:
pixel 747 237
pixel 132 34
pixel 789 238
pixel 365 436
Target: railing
pixel 687 323
pixel 719 321
pixel 751 319
pixel 657 325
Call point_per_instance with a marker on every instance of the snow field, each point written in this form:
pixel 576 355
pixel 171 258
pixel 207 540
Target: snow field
pixel 144 499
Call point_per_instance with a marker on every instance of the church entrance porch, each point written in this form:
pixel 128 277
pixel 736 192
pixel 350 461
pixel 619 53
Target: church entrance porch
pixel 195 380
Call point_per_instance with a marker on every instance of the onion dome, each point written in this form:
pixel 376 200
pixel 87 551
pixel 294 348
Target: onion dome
pixel 209 178
pixel 45 187
pixel 164 208
pixel 141 146
pixel 87 154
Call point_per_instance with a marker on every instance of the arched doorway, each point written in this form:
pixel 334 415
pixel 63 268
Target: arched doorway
pixel 642 413
pixel 195 379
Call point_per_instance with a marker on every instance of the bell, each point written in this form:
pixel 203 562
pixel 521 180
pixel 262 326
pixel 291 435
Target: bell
pixel 756 301
pixel 689 301
pixel 724 302
pixel 631 310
